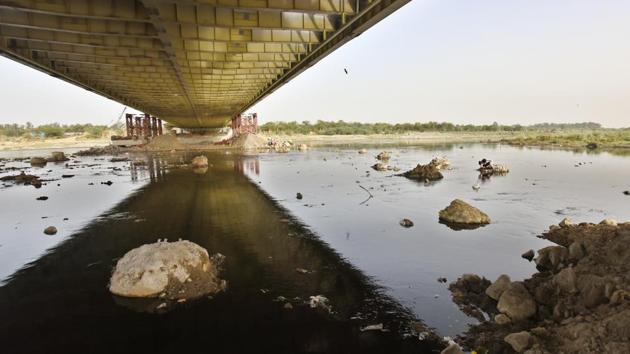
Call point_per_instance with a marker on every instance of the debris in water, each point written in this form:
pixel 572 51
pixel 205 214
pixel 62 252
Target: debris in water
pixel 374 327
pixel 591 146
pixel 319 301
pixel 43 197
pixel 487 168
pixel 406 223
pixel 370 196
pixel 302 270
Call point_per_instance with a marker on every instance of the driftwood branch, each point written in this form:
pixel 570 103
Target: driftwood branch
pixel 368 192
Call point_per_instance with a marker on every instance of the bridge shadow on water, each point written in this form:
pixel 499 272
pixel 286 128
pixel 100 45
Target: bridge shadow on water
pixel 60 302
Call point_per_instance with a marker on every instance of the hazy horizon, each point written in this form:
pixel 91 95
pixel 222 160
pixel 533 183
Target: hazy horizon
pixel 512 62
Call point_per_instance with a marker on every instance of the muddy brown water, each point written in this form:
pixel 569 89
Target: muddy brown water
pixel 53 290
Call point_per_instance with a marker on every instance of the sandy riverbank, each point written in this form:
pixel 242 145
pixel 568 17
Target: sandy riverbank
pixel 396 139
pixel 311 140
pixel 51 143
pixel 194 142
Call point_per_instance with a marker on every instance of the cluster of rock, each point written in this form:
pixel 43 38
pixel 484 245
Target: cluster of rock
pixel 56 156
pixel 168 270
pixel 383 159
pixel 579 302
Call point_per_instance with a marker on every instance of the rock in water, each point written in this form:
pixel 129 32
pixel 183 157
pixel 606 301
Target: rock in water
pixel 199 161
pixel 58 156
pixel 50 230
pixel 302 147
pixel 424 172
pixel 384 155
pixel 460 212
pixel 379 166
pixel 38 161
pixel 170 270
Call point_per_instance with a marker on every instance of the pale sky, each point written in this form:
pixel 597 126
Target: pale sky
pixel 525 62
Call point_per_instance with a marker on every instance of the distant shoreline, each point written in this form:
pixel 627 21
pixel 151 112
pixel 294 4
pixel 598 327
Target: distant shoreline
pixel 607 139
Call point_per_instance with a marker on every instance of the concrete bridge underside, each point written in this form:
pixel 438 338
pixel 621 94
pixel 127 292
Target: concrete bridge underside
pixel 194 63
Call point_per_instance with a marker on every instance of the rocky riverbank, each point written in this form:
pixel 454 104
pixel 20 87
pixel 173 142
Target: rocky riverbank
pixel 578 302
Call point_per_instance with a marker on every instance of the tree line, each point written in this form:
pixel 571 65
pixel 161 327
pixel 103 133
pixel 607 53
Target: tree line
pixel 53 130
pixel 350 128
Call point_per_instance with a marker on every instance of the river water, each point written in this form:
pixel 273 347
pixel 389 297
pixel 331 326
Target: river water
pixel 53 289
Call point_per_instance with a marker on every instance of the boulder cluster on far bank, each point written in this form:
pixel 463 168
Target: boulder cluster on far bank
pixel 578 302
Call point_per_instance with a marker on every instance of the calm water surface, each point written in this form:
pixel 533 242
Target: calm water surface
pixel 53 295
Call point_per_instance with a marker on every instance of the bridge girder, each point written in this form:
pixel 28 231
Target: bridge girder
pixel 194 63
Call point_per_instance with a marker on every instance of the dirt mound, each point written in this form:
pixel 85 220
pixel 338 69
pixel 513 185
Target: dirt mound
pixel 580 298
pixel 249 142
pixel 165 142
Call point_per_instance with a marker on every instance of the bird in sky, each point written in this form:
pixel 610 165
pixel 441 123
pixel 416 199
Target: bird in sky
pixel 346 70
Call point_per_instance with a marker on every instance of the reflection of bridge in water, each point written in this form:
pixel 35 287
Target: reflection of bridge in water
pixel 60 302
pixel 155 167
pixel 194 63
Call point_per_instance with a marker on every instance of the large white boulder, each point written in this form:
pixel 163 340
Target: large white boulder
pixel 170 270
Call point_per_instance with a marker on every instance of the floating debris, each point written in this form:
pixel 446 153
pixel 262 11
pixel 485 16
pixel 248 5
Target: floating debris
pixel 406 223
